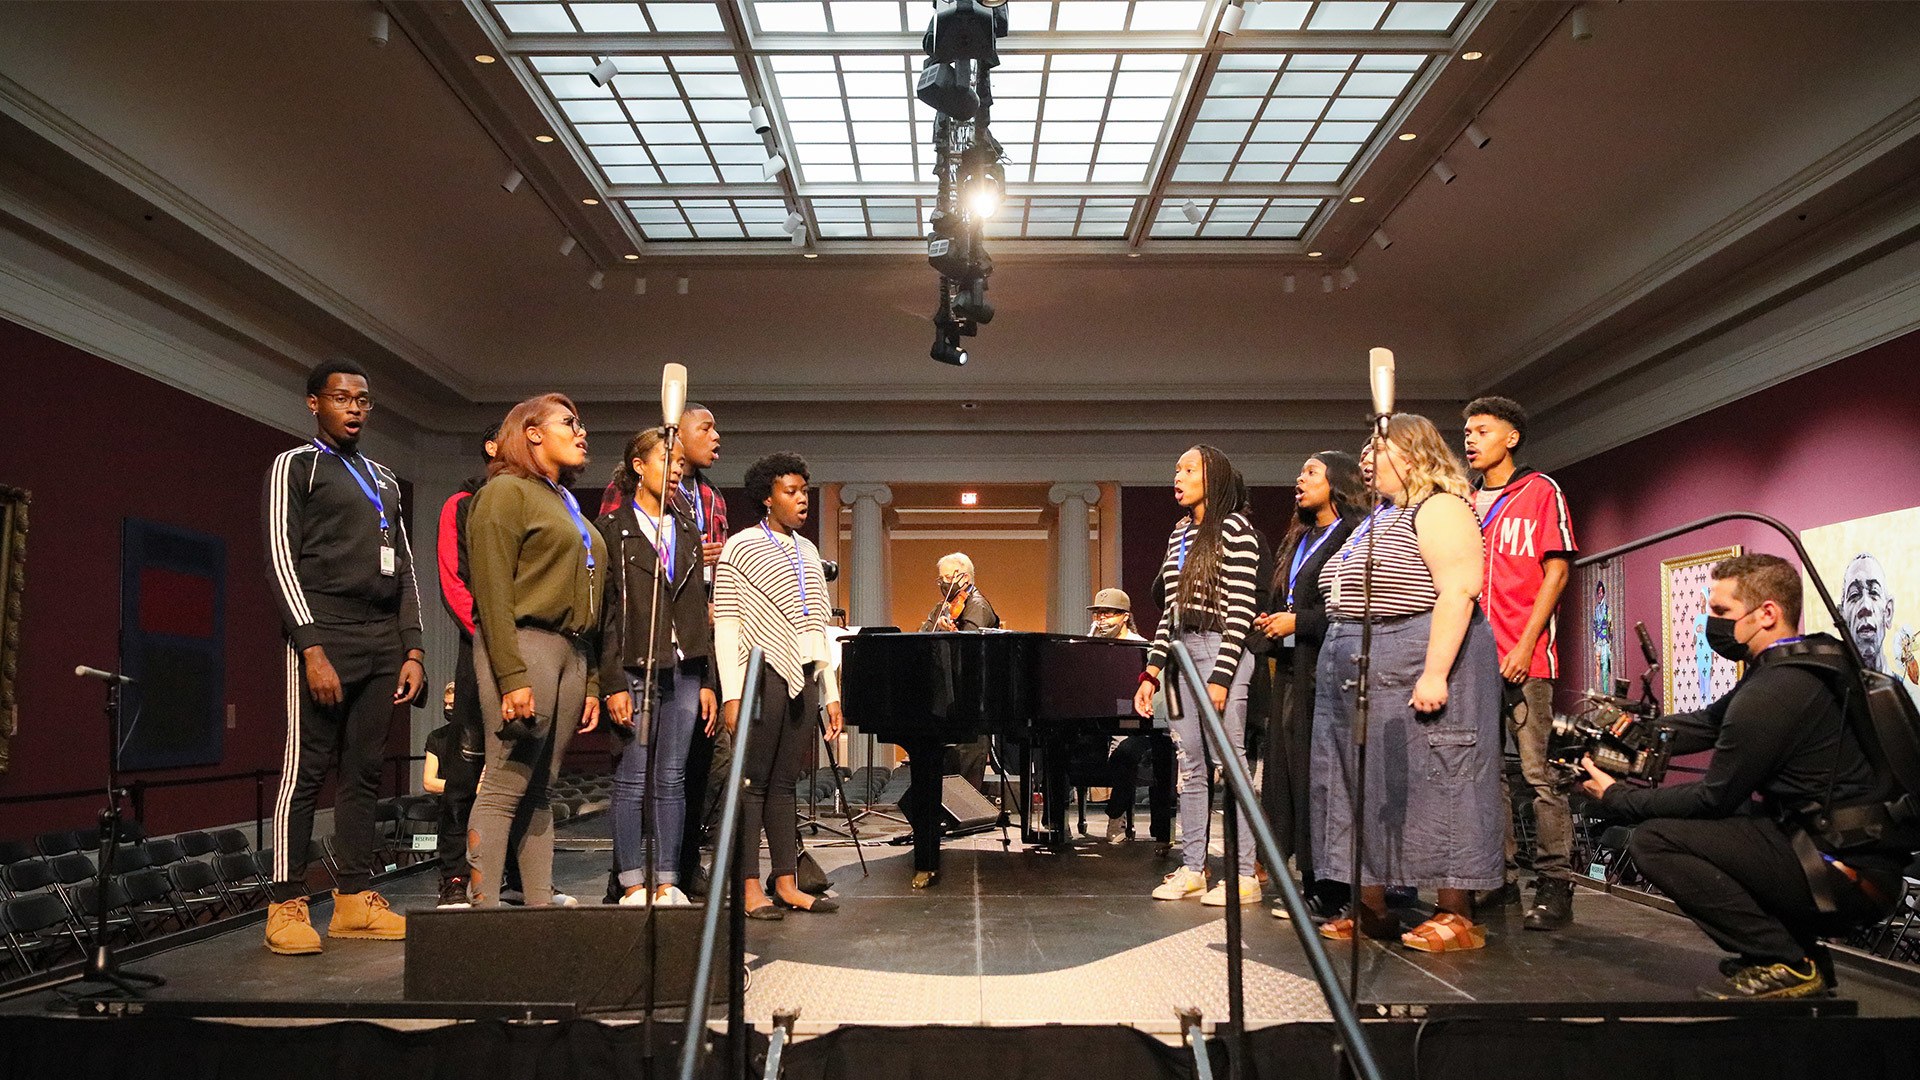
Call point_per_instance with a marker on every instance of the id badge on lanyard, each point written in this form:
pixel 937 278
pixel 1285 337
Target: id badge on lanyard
pixel 389 557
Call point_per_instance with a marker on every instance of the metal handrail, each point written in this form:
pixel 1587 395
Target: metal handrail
pixel 725 874
pixel 1240 786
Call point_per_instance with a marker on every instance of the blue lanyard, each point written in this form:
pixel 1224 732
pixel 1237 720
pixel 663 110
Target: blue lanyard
pixel 663 539
pixel 1301 554
pixel 799 571
pixel 699 510
pixel 1186 538
pixel 1359 534
pixel 1784 641
pixel 372 493
pixel 579 522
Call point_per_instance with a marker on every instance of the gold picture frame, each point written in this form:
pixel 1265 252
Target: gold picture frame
pixel 13 588
pixel 1692 676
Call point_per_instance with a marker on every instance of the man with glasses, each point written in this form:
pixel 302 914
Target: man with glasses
pixel 342 576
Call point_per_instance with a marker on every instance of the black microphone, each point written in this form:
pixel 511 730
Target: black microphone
pixel 1646 645
pixel 104 676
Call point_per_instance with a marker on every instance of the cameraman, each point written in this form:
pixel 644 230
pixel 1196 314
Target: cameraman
pixel 1736 866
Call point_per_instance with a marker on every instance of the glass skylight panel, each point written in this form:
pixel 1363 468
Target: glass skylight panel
pixel 601 17
pixel 1300 118
pixel 1236 218
pixel 709 219
pixel 882 218
pixel 1057 217
pixel 1349 15
pixel 664 119
pixel 1027 16
pixel 1080 118
pixel 853 118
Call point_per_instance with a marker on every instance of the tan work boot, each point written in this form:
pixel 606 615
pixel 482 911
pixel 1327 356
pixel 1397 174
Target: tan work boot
pixel 365 915
pixel 289 929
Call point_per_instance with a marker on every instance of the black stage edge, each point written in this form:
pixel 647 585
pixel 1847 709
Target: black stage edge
pixel 1459 1048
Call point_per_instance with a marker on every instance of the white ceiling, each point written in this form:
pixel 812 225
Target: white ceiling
pixel 356 190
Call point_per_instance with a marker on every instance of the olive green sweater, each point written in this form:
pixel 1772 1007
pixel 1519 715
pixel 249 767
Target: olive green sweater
pixel 530 569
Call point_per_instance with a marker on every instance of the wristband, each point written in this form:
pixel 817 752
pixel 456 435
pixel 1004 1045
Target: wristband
pixel 1150 677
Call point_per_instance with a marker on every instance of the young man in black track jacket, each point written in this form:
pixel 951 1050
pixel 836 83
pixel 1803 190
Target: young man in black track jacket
pixel 342 577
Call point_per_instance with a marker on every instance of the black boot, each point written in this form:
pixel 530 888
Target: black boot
pixel 1552 905
pixel 1489 900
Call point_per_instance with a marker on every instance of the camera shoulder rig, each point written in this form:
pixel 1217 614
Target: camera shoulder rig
pixel 1883 719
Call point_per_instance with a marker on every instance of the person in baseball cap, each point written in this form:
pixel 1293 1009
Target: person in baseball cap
pixel 1112 614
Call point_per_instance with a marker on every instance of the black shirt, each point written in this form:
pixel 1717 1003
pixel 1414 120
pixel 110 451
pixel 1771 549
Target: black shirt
pixel 324 544
pixel 1309 601
pixel 443 742
pixel 1779 734
pixel 975 614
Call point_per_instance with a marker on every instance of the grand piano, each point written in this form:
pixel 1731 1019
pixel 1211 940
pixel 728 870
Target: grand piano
pixel 1045 692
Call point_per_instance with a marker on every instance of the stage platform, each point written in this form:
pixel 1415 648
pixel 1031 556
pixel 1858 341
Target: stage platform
pixel 1016 938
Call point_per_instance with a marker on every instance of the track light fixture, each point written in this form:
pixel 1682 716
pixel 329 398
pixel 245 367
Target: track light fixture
pixel 1442 171
pixel 567 244
pixel 773 166
pixel 1349 277
pixel 1230 19
pixel 379 29
pixel 1381 240
pixel 597 280
pixel 1478 136
pixel 1326 283
pixel 603 73
pixel 640 285
pixel 681 285
pixel 1191 211
pixel 1287 284
pixel 794 223
pixel 762 123
pixel 512 180
pixel 800 238
pixel 1581 24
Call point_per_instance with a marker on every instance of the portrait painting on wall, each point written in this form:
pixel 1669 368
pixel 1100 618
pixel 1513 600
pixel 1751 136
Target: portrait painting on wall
pixel 1693 674
pixel 1872 567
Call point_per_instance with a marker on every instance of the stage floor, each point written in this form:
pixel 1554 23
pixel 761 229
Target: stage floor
pixel 1021 938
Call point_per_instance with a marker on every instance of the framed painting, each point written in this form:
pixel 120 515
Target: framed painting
pixel 1692 674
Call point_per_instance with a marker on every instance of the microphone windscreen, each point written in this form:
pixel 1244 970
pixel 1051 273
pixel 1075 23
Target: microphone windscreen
pixel 1646 644
pixel 1380 377
pixel 673 394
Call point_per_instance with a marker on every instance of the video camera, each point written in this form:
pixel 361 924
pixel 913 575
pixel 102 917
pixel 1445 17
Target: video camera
pixel 1622 736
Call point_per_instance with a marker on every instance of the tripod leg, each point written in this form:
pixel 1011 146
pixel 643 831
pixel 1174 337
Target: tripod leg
pixel 840 787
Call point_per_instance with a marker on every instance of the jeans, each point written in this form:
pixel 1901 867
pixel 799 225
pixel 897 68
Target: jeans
pixel 675 722
pixel 1196 801
pixel 1530 719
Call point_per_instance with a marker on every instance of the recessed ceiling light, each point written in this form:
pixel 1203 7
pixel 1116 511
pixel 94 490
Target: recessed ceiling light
pixel 589 202
pixel 1313 254
pixel 1408 136
pixel 483 58
pixel 1474 55
pixel 1358 199
pixel 810 255
pixel 1133 254
pixel 631 258
pixel 543 138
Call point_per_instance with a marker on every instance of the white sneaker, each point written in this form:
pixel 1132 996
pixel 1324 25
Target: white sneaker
pixel 671 896
pixel 636 898
pixel 1181 884
pixel 1116 830
pixel 1249 892
pixel 561 899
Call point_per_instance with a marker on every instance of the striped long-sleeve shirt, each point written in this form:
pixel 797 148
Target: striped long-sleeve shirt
pixel 323 548
pixel 1228 601
pixel 758 601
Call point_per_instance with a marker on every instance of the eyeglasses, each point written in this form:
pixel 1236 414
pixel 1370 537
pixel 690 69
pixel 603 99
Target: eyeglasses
pixel 343 399
pixel 572 423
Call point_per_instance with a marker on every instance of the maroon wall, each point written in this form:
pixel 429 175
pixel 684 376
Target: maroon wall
pixel 1834 444
pixel 95 443
pixel 1147 517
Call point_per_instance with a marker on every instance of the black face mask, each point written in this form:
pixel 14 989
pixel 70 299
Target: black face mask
pixel 1722 640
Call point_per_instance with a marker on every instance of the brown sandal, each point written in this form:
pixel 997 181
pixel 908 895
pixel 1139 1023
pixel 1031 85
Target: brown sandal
pixel 1445 932
pixel 1341 929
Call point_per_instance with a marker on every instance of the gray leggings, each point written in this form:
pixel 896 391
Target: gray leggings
pixel 519 772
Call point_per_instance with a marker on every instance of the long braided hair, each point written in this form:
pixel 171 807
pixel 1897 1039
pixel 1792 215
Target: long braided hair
pixel 1226 495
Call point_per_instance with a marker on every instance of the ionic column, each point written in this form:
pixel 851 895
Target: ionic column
pixel 1073 577
pixel 867 560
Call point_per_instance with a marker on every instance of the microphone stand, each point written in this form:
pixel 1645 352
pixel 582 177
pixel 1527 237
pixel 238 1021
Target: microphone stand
pixel 102 967
pixel 1362 706
pixel 644 717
